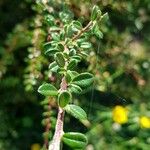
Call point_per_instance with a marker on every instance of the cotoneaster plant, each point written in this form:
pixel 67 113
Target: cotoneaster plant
pixel 69 44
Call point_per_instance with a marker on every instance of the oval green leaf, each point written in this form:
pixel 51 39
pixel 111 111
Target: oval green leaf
pixel 75 140
pixel 95 12
pixel 59 58
pixel 75 89
pixel 47 89
pixel 72 64
pixel 64 98
pixel 76 111
pixel 53 67
pixel 83 79
pixel 85 45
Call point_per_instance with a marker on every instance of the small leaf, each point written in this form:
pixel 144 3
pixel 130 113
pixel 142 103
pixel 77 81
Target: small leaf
pixel 47 89
pixel 76 111
pixel 53 67
pixel 72 52
pixel 105 17
pixel 72 74
pixel 97 32
pixel 75 140
pixel 85 45
pixel 49 19
pixel 54 28
pixel 64 98
pixel 60 47
pixel 95 12
pixel 77 58
pixel 59 58
pixel 83 79
pixel 55 36
pixel 74 88
pixel 51 51
pixel 72 64
pixel 76 26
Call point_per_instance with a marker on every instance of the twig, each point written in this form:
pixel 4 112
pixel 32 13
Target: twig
pixel 82 31
pixel 55 144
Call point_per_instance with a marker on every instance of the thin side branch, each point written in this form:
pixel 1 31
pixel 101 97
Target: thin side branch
pixel 82 31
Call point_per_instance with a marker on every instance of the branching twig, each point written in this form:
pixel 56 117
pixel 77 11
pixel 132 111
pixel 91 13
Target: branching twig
pixel 82 31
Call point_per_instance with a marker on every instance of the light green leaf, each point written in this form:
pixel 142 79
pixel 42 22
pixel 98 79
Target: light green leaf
pixel 76 111
pixel 75 140
pixel 47 89
pixel 64 98
pixel 83 79
pixel 85 45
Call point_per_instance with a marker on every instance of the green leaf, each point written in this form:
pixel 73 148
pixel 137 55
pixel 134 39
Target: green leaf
pixel 105 17
pixel 72 74
pixel 77 58
pixel 75 88
pixel 47 89
pixel 85 45
pixel 84 54
pixel 72 52
pixel 51 51
pixel 83 79
pixel 72 64
pixel 59 58
pixel 49 19
pixel 76 111
pixel 76 26
pixel 55 36
pixel 54 28
pixel 95 12
pixel 60 47
pixel 53 67
pixel 75 140
pixel 64 98
pixel 97 32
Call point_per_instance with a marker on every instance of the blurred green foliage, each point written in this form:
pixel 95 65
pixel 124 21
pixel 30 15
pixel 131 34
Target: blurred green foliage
pixel 120 63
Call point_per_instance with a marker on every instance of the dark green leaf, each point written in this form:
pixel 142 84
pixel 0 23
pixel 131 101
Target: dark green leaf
pixel 47 89
pixel 64 98
pixel 51 51
pixel 72 52
pixel 75 140
pixel 72 74
pixel 97 32
pixel 76 111
pixel 77 58
pixel 75 88
pixel 59 58
pixel 95 13
pixel 72 64
pixel 53 67
pixel 83 79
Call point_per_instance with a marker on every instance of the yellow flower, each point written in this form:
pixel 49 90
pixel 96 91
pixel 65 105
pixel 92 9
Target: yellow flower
pixel 120 114
pixel 145 122
pixel 35 146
